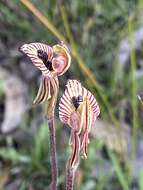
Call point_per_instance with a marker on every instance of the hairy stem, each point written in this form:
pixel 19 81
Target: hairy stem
pixel 70 175
pixel 54 168
pixel 52 133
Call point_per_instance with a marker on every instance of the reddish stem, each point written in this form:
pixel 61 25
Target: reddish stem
pixel 53 156
pixel 52 133
pixel 70 175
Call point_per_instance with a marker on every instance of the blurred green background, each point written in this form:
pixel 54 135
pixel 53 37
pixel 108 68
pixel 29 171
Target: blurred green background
pixel 106 42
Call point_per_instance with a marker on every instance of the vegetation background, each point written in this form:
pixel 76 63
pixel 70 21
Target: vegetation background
pixel 106 42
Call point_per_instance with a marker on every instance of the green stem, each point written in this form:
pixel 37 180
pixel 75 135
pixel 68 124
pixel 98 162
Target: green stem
pixel 134 100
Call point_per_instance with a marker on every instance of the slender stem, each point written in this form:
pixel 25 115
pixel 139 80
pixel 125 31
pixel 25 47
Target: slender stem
pixel 54 168
pixel 134 87
pixel 52 132
pixel 70 175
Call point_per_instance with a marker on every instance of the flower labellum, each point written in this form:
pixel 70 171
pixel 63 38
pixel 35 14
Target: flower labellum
pixel 52 62
pixel 79 109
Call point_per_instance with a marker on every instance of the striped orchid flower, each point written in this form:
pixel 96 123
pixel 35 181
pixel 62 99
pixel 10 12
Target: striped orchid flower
pixel 52 62
pixel 79 109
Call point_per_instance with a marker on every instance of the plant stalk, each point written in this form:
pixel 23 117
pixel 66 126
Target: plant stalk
pixel 53 156
pixel 52 134
pixel 70 175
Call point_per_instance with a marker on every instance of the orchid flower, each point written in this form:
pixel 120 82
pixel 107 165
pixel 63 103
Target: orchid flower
pixel 52 62
pixel 79 109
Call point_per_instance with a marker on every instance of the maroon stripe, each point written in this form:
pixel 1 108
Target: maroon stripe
pixel 62 115
pixel 66 98
pixel 35 45
pixel 63 110
pixel 67 104
pixel 67 94
pixel 64 105
pixel 74 150
pixel 43 91
pixel 41 46
pixel 86 116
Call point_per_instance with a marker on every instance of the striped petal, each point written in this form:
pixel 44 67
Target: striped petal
pixel 32 50
pixel 79 109
pixel 48 87
pixel 67 106
pixel 51 61
pixel 93 103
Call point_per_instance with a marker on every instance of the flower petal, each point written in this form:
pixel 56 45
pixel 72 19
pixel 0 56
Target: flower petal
pixel 75 122
pixel 93 103
pixel 75 143
pixel 31 50
pixel 44 92
pixel 79 109
pixel 84 141
pixel 62 62
pixel 59 63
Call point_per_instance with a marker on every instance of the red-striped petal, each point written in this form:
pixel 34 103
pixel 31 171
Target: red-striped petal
pixel 80 115
pixel 48 87
pixel 31 51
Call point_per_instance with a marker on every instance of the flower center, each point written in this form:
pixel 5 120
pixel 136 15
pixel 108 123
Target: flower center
pixel 77 101
pixel 44 57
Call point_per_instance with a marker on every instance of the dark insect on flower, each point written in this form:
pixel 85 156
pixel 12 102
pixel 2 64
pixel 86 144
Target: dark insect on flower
pixel 76 101
pixel 52 62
